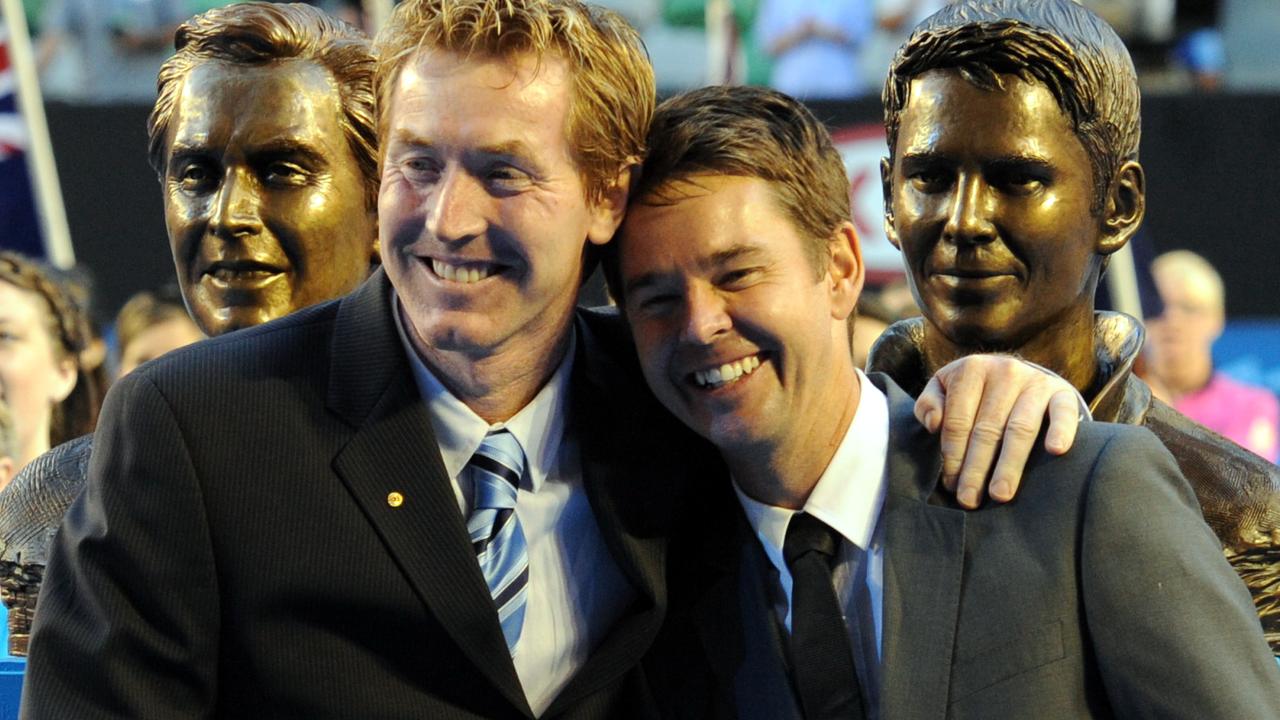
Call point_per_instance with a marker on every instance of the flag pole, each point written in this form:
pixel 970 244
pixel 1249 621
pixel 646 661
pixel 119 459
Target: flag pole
pixel 39 154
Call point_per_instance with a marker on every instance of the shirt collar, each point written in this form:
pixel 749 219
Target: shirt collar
pixel 539 426
pixel 850 492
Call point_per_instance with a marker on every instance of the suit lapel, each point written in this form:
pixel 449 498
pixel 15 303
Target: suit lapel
pixel 631 474
pixel 924 561
pixel 393 450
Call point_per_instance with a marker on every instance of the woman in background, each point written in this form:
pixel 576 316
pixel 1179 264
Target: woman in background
pixel 43 331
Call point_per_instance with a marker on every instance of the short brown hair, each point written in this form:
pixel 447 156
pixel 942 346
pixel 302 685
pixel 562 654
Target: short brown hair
pixel 258 33
pixel 746 132
pixel 613 85
pixel 1056 43
pixel 67 324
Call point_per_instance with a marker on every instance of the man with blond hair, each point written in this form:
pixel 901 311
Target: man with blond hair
pixel 447 494
pixel 1179 355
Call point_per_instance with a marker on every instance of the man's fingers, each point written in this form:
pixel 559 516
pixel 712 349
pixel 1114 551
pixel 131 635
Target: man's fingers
pixel 963 398
pixel 928 408
pixel 984 440
pixel 1064 420
pixel 1019 442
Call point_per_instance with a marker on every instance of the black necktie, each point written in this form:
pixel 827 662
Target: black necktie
pixel 822 661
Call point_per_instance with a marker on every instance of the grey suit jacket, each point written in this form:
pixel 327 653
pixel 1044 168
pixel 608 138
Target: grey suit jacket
pixel 235 554
pixel 1098 592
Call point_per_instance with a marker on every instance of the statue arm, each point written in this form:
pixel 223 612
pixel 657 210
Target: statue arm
pixel 128 619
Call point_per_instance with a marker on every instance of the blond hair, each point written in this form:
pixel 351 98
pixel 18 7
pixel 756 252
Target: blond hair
pixel 613 87
pixel 1190 267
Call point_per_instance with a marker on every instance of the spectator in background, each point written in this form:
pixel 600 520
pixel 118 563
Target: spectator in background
pixel 42 333
pixel 151 324
pixel 1199 47
pixel 1180 358
pixel 815 46
pixel 8 445
pixel 894 20
pixel 115 46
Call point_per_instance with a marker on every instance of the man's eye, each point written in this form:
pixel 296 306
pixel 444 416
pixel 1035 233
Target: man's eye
pixel 420 169
pixel 655 303
pixel 506 177
pixel 737 278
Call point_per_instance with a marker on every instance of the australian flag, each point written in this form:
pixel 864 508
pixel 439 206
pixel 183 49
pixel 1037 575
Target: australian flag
pixel 19 226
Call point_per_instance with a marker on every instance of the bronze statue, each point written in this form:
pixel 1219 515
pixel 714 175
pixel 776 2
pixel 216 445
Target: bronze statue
pixel 264 138
pixel 1012 175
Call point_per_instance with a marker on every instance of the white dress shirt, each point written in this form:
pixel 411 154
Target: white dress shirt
pixel 576 590
pixel 848 498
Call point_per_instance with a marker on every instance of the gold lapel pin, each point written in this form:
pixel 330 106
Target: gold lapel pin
pixel 395 499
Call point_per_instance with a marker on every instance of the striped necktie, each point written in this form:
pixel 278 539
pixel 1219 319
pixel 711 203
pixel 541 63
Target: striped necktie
pixel 495 530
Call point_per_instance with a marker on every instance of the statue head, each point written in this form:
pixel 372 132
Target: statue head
pixel 1012 174
pixel 738 267
pixel 263 135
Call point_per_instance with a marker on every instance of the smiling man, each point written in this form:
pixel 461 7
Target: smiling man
pixel 833 577
pixel 1012 176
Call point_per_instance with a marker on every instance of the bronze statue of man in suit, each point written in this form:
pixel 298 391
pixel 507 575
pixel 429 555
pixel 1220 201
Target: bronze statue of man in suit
pixel 264 142
pixel 1012 176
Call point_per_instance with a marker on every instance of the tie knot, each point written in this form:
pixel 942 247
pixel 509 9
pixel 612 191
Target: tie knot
pixel 496 469
pixel 806 534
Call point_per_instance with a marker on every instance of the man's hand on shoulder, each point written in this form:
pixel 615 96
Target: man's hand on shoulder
pixel 990 409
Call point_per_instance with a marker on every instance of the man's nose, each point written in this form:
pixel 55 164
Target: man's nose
pixel 706 316
pixel 456 207
pixel 237 209
pixel 969 215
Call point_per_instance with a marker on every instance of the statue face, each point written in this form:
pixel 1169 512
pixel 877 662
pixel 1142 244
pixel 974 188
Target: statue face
pixel 483 210
pixel 264 202
pixel 989 196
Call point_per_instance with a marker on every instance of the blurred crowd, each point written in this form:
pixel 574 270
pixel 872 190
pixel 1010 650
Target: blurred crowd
pixel 109 50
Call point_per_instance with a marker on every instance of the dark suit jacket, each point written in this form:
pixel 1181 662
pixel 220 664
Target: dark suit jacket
pixel 235 555
pixel 1097 592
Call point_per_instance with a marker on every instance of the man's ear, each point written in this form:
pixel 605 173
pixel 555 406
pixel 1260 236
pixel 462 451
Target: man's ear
pixel 608 210
pixel 1126 206
pixel 845 271
pixel 886 187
